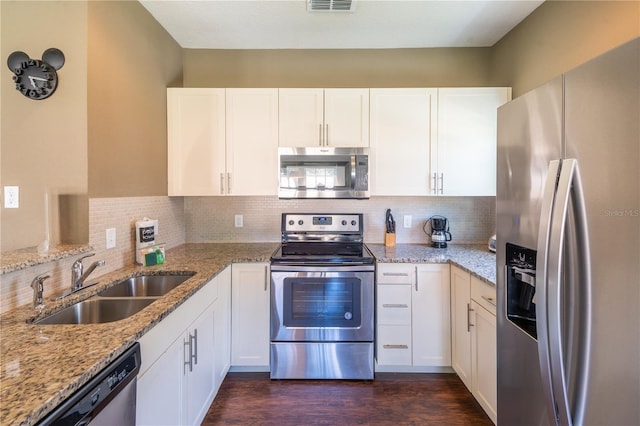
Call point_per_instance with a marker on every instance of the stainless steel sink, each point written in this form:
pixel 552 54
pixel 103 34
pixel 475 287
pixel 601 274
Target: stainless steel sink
pixel 97 311
pixel 145 286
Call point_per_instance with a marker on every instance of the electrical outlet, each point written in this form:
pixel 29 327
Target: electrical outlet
pixel 111 238
pixel 407 220
pixel 11 197
pixel 239 221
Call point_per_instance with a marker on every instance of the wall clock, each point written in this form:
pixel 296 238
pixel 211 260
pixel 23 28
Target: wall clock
pixel 35 78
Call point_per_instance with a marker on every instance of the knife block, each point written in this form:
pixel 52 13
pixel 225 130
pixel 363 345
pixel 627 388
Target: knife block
pixel 389 239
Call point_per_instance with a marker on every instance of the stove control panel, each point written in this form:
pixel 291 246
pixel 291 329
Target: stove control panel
pixel 308 222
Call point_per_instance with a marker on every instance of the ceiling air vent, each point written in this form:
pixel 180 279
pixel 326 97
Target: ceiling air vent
pixel 331 5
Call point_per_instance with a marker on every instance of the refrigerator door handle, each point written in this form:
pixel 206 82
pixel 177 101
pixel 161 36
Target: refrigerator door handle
pixel 542 319
pixel 569 187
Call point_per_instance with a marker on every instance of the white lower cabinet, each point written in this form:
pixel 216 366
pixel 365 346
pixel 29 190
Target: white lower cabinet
pixel 250 299
pixel 413 326
pixel 184 359
pixel 474 337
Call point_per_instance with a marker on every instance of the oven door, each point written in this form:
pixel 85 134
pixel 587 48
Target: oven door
pixel 322 304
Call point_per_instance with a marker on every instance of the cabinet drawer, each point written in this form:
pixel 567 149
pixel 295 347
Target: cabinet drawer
pixel 394 304
pixel 484 294
pixel 395 273
pixel 394 345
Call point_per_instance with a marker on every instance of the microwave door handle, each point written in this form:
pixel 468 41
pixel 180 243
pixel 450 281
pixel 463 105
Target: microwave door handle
pixel 353 172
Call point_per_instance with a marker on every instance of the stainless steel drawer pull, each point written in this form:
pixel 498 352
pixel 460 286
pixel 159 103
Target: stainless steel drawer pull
pixel 469 310
pixel 395 305
pixel 395 346
pixel 395 274
pixel 490 300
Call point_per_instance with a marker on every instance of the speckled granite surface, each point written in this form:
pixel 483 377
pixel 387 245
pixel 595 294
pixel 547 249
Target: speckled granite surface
pixel 16 260
pixel 41 365
pixel 476 259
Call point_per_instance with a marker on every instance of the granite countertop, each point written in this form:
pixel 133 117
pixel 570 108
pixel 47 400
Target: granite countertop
pixel 476 259
pixel 42 365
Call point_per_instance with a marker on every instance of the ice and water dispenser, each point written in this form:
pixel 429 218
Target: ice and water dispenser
pixel 521 288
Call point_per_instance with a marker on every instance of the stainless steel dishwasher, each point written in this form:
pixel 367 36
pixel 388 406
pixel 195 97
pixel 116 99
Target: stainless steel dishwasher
pixel 107 399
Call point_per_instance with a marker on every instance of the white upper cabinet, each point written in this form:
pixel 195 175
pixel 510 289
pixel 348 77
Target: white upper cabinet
pixel 196 140
pixel 301 117
pixel 401 138
pixel 324 117
pixel 463 162
pixel 252 142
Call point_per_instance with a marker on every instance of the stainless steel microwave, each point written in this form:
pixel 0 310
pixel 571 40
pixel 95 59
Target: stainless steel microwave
pixel 323 172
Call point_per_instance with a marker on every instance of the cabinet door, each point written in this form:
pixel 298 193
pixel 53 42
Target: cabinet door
pixel 430 316
pixel 301 117
pixel 483 344
pixel 252 141
pixel 160 391
pixel 222 325
pixel 200 372
pixel 346 117
pixel 465 157
pixel 460 325
pixel 196 141
pixel 401 137
pixel 250 301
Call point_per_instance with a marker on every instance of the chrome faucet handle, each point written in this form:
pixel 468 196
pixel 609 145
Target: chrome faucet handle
pixel 76 272
pixel 37 284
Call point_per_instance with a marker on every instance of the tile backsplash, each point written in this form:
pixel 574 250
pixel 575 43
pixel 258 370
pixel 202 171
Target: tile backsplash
pixel 104 213
pixel 209 219
pixel 212 219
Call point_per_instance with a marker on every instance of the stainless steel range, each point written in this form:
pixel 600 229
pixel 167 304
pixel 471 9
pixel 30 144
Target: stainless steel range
pixel 322 299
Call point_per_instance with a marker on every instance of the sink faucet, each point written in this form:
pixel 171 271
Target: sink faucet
pixel 78 275
pixel 38 290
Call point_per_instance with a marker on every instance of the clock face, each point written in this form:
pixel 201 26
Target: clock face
pixel 34 78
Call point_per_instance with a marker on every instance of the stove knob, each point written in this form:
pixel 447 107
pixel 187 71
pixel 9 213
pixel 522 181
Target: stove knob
pixel 300 222
pixel 344 222
pixel 354 223
pixel 291 222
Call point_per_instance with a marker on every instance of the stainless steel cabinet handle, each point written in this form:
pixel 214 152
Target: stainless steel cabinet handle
pixel 416 272
pixel 395 305
pixel 228 182
pixel 441 183
pixel 434 184
pixel 326 135
pixel 395 274
pixel 221 183
pixel 395 346
pixel 194 339
pixel 320 134
pixel 266 277
pixel 469 310
pixel 188 358
pixel 490 300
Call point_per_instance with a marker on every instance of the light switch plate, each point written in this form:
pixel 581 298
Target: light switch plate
pixel 11 197
pixel 407 221
pixel 111 238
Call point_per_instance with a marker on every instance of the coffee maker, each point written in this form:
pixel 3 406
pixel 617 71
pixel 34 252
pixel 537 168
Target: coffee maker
pixel 439 233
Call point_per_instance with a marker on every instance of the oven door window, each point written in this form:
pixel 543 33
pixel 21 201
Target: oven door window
pixel 322 302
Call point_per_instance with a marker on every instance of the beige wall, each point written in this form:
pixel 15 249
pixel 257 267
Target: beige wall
pixel 558 36
pixel 132 60
pixel 44 142
pixel 103 132
pixel 337 68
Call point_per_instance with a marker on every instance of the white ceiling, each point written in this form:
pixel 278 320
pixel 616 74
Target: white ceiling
pixel 286 24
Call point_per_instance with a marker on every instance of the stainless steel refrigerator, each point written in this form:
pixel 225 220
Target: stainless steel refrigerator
pixel 568 247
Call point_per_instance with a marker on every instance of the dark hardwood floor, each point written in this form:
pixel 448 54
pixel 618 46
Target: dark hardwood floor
pixel 391 399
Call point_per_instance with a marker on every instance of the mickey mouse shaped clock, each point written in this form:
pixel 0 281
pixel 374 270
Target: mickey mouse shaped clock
pixel 36 79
